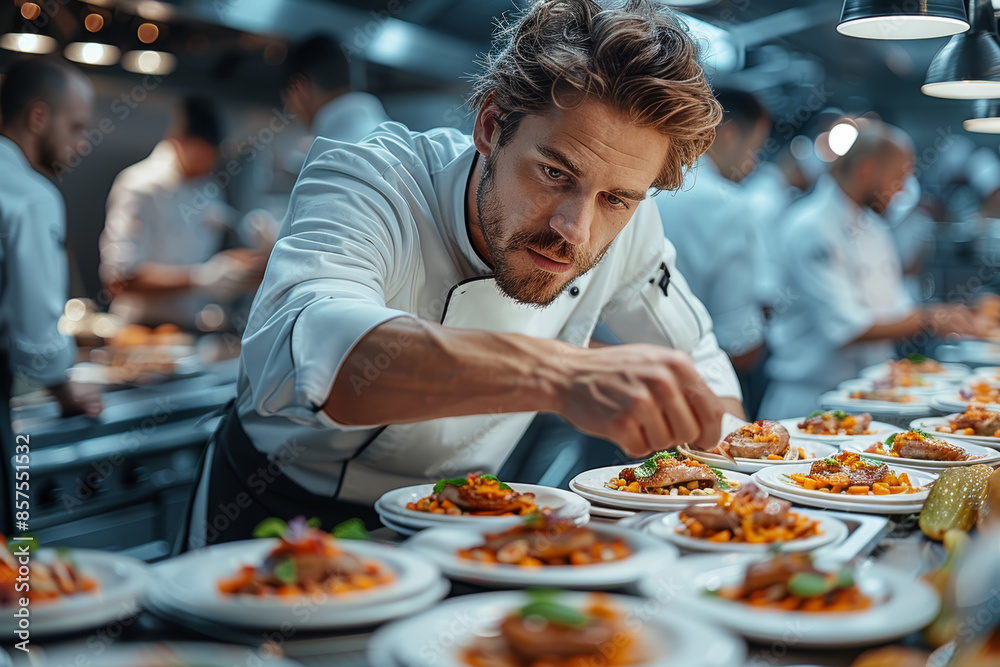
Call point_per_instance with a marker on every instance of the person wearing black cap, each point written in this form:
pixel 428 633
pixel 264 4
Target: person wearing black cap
pixel 161 257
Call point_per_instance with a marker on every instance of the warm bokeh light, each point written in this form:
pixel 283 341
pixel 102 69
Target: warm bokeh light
pixel 28 43
pixel 93 22
pixel 148 32
pixel 842 137
pixel 92 53
pixel 30 11
pixel 149 62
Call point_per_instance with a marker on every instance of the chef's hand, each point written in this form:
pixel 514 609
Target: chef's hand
pixel 944 319
pixel 645 398
pixel 230 273
pixel 77 398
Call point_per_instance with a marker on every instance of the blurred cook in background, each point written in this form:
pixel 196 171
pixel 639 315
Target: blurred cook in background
pixel 712 226
pixel 847 301
pixel 161 249
pixel 45 106
pixel 316 87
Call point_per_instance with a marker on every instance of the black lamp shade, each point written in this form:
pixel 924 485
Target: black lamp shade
pixel 968 67
pixel 892 19
pixel 985 117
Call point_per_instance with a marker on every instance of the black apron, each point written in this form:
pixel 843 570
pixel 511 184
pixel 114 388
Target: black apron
pixel 6 449
pixel 246 486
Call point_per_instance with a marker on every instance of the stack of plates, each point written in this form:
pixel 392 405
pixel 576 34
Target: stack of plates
pixel 839 399
pixel 591 485
pixel 121 582
pixel 159 654
pixel 949 372
pixel 814 450
pixel 391 508
pixel 440 545
pixel 187 586
pixel 776 482
pixel 930 385
pixel 950 400
pixel 931 424
pixel 437 637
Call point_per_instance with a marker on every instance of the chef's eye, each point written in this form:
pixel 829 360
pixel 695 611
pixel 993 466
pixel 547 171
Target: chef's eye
pixel 554 174
pixel 616 202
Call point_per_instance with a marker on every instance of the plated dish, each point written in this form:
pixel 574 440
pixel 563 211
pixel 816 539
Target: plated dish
pixel 544 551
pixel 918 364
pixel 835 423
pixel 920 448
pixel 829 607
pixel 595 486
pixel 915 405
pixel 475 495
pixel 852 474
pixel 976 420
pixel 514 629
pixel 665 474
pixel 955 426
pixel 672 528
pixel 56 577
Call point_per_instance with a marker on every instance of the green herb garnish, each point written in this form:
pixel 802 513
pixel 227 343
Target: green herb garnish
pixel 458 481
pixel 648 467
pixel 555 613
pixel 722 484
pixel 270 527
pixel 352 529
pixel 285 571
pixel 923 434
pixel 503 487
pixel 314 522
pixel 814 413
pixel 917 358
pixel 891 439
pixel 839 414
pixel 810 585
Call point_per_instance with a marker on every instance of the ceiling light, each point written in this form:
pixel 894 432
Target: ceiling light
pixel 149 62
pixel 93 22
pixel 30 11
pixel 24 42
pixel 147 33
pixel 986 117
pixel 885 19
pixel 92 53
pixel 968 67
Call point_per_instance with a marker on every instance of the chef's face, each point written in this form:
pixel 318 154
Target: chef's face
pixel 63 138
pixel 889 177
pixel 552 200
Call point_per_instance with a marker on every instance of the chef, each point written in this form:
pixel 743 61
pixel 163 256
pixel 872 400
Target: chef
pixel 46 105
pixel 431 292
pixel 846 303
pixel 317 89
pixel 161 249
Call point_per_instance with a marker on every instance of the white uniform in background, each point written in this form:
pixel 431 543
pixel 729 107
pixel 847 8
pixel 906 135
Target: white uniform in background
pixel 34 282
pixel 768 196
pixel 712 228
pixel 843 275
pixel 350 117
pixel 156 215
pixel 376 231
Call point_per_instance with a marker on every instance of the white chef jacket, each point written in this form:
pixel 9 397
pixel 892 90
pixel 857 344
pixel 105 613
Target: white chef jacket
pixel 33 261
pixel 156 215
pixel 350 117
pixel 376 231
pixel 768 196
pixel 843 275
pixel 712 228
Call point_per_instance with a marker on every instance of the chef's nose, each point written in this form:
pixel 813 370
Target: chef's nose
pixel 572 220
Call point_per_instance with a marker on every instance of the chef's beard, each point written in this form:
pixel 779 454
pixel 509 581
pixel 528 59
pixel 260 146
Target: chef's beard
pixel 536 287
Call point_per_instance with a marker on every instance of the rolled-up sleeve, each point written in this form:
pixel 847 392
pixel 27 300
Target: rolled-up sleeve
pixel 36 285
pixel 657 306
pixel 345 245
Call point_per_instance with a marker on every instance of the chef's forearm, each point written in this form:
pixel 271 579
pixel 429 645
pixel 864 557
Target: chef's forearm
pixel 152 277
pixel 445 372
pixel 908 326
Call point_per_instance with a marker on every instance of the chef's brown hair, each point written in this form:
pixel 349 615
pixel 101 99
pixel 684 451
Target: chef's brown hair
pixel 636 57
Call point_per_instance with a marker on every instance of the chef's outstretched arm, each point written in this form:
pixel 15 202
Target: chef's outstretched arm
pixel 645 398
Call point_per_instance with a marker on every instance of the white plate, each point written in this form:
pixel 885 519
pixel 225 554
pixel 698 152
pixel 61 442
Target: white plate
pixel 932 385
pixel 121 579
pixel 776 478
pixel 910 605
pixel 189 583
pixel 930 425
pixel 388 522
pixel 831 503
pixel 158 654
pixel 440 545
pixel 603 512
pixel 880 431
pixel 951 401
pixel 590 485
pixel 394 504
pixel 814 449
pixel 986 373
pixel 436 637
pixel 989 456
pixel 833 531
pixel 841 400
pixel 949 372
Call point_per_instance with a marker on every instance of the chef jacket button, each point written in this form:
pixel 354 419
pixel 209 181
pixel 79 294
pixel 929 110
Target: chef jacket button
pixel 574 291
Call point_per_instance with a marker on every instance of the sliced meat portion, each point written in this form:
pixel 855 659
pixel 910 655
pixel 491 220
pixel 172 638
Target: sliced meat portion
pixel 670 471
pixel 984 422
pixel 533 638
pixel 860 423
pixel 758 440
pixel 555 538
pixel 847 469
pixel 467 499
pixel 913 445
pixel 714 517
pixel 778 570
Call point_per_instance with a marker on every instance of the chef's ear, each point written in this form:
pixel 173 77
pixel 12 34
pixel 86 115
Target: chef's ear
pixel 486 134
pixel 36 119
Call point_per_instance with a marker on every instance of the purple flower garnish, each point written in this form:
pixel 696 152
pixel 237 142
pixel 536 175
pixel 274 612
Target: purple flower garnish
pixel 297 528
pixel 965 393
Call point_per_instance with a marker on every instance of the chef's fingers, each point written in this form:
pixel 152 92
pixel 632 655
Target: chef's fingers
pixel 708 410
pixel 655 427
pixel 681 421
